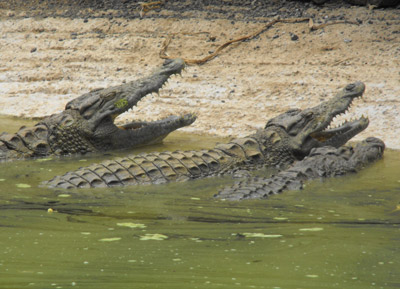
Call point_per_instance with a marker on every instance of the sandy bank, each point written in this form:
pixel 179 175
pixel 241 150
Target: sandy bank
pixel 45 62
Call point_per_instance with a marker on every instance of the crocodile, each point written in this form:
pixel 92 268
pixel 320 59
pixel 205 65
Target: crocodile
pixel 285 138
pixel 323 162
pixel 87 123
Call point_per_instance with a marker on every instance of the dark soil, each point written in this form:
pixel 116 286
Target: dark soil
pixel 232 9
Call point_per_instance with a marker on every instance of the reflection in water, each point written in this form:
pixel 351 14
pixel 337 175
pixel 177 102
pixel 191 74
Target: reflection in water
pixel 340 233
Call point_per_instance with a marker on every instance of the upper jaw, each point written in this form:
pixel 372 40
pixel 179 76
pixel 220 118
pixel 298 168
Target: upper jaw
pixel 326 111
pixel 136 90
pixel 324 114
pixel 103 105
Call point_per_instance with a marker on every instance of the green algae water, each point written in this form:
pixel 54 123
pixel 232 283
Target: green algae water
pixel 339 233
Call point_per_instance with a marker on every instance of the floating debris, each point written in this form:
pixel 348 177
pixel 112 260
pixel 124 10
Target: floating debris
pixel 132 225
pixel 260 235
pixel 196 240
pixel 154 237
pixel 110 239
pixel 23 186
pixel 280 218
pixel 311 229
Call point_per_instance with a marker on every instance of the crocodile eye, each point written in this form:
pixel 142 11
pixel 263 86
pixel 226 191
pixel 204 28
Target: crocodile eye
pixel 108 95
pixel 167 61
pixel 309 114
pixel 68 122
pixel 350 86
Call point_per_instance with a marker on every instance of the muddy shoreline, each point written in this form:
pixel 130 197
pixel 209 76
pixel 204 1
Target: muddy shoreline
pixel 55 54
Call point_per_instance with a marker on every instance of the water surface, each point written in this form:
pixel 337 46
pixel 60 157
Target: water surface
pixel 339 233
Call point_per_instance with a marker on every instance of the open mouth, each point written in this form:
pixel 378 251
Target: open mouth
pixel 330 134
pixel 122 99
pixel 140 127
pixel 100 108
pixel 348 128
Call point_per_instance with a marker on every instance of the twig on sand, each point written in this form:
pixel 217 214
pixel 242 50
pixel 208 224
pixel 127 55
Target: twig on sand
pixel 146 7
pixel 341 61
pixel 311 25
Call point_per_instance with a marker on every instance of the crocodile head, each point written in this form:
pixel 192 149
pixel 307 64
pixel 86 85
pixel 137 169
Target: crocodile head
pixel 358 156
pixel 89 119
pixel 302 130
pixel 367 151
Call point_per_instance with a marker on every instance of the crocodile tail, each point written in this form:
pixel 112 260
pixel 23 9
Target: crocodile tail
pixel 152 168
pixel 325 162
pixel 27 142
pixel 322 162
pixel 261 188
